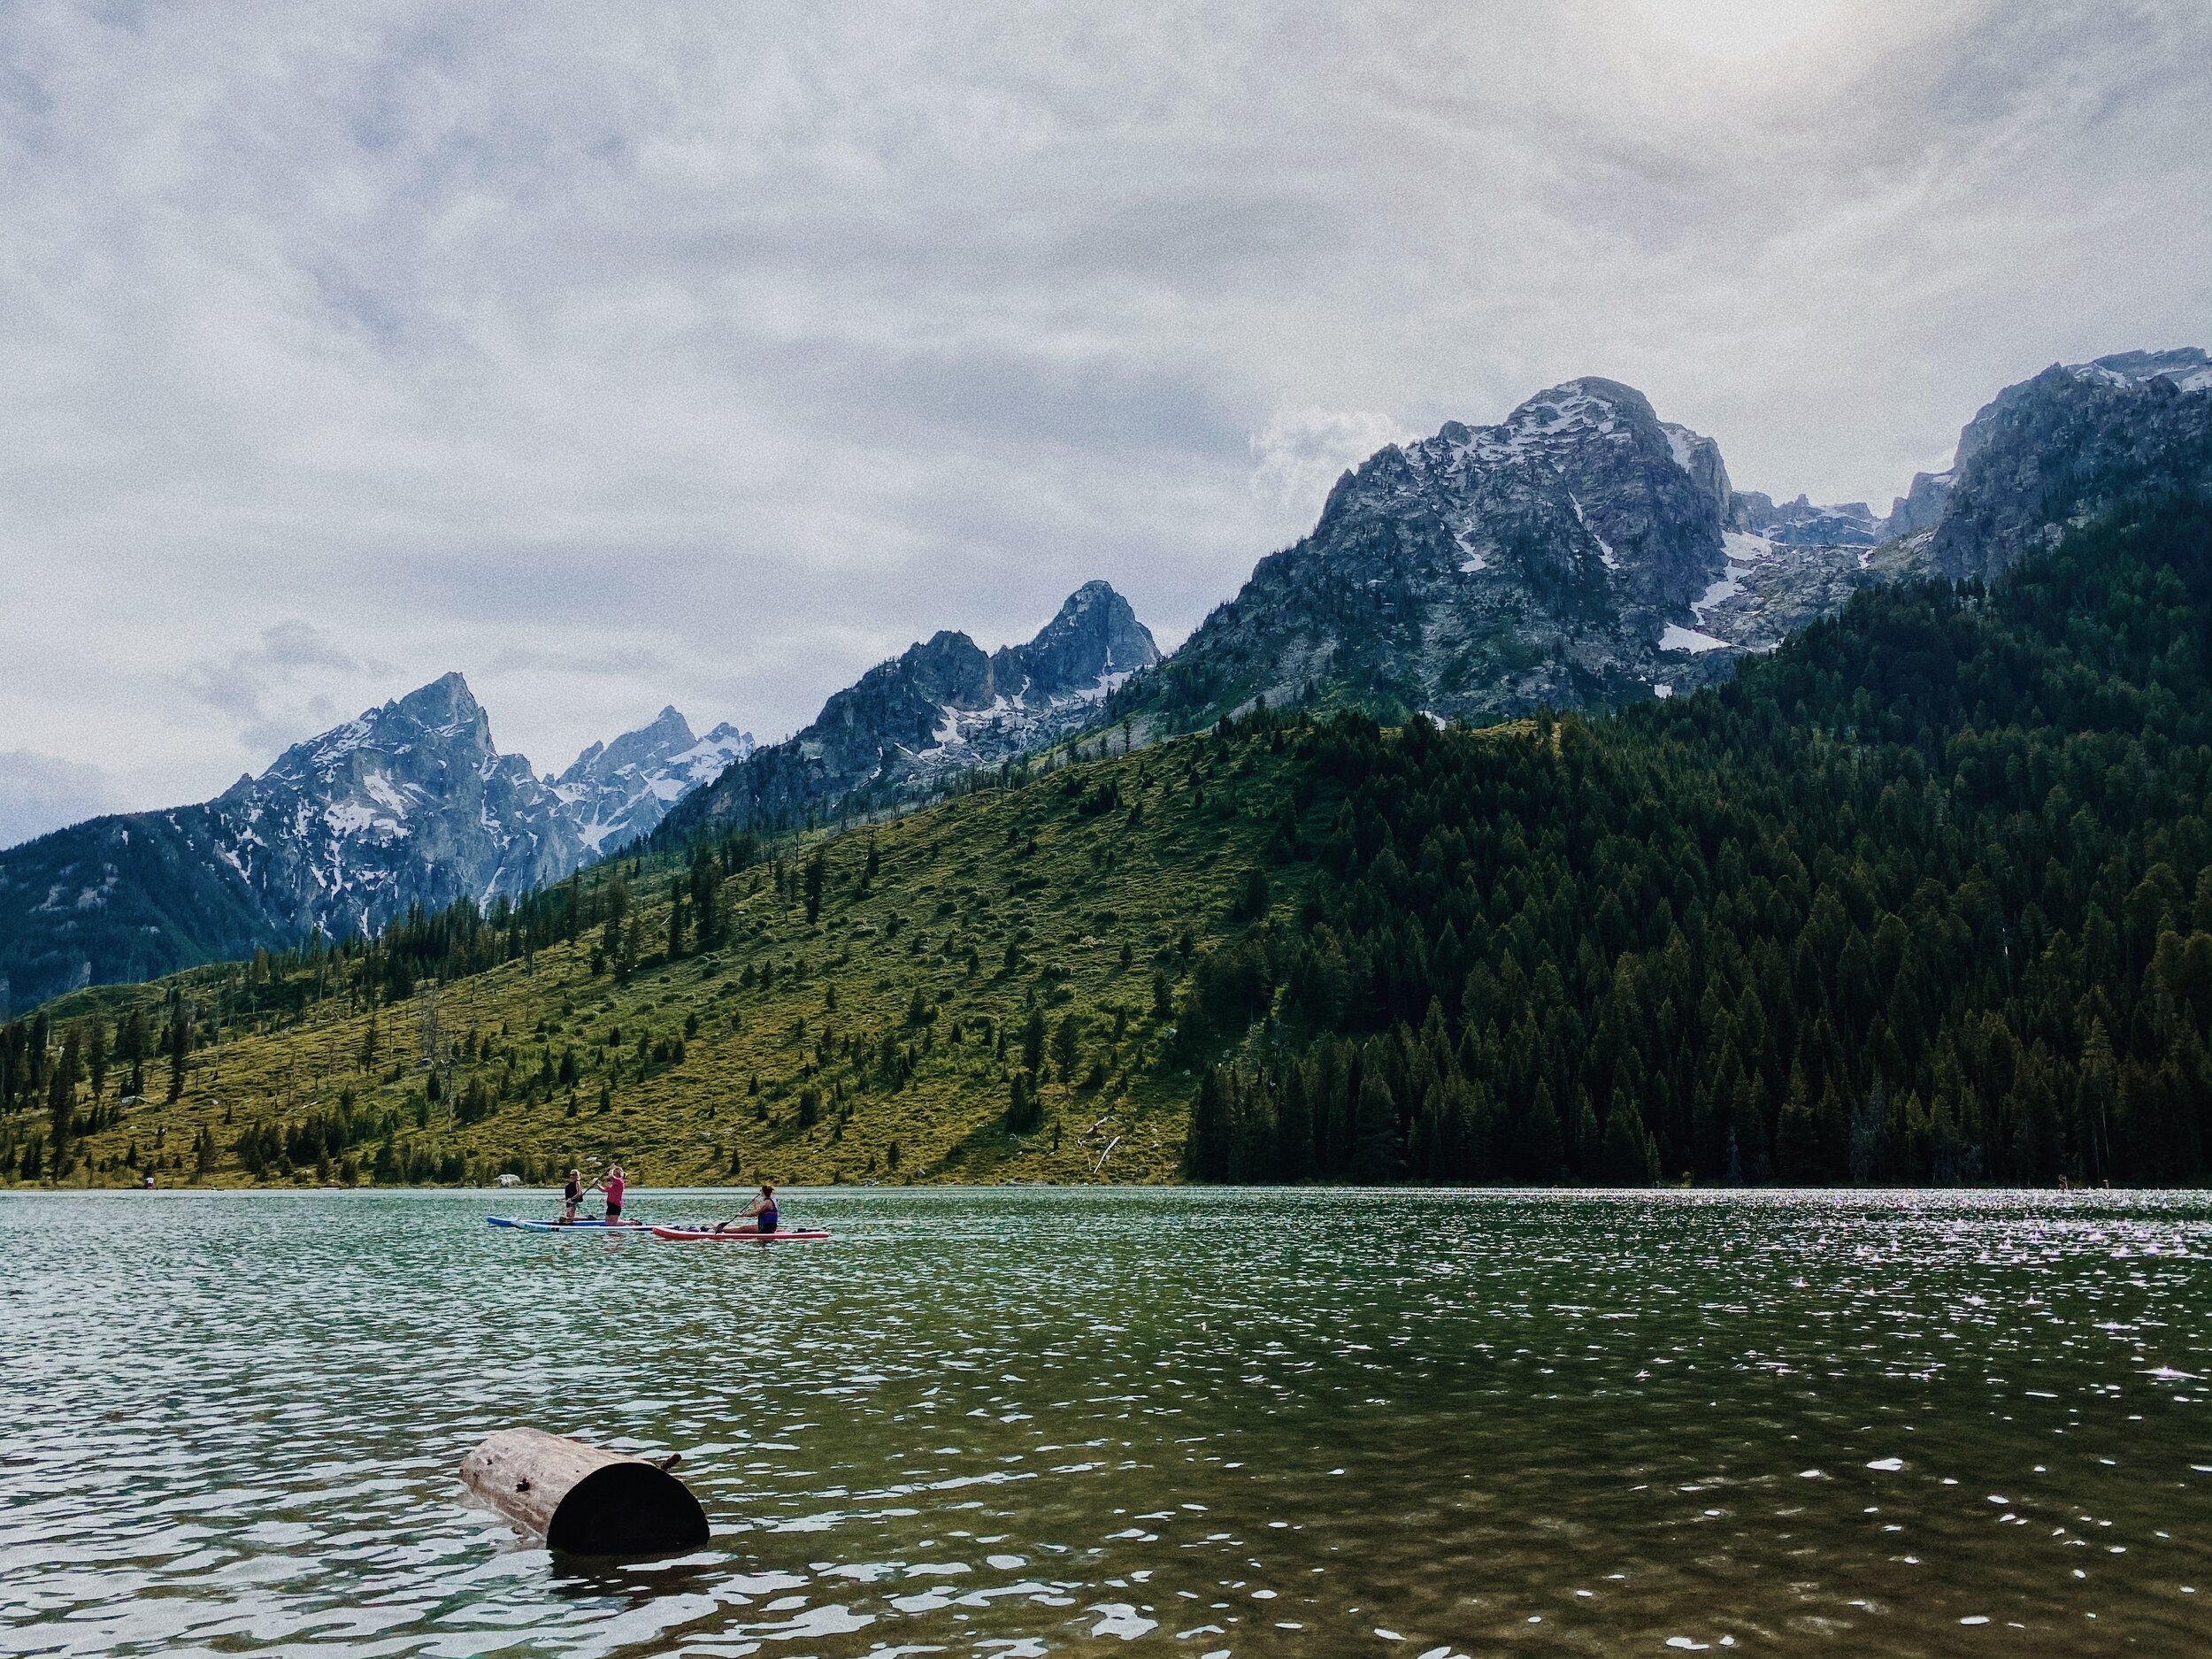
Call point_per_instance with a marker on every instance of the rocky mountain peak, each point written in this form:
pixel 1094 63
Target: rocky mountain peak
pixel 1920 506
pixel 665 733
pixel 1095 640
pixel 1581 551
pixel 1699 457
pixel 445 701
pixel 614 793
pixel 1579 409
pixel 407 803
pixel 434 727
pixel 2070 442
pixel 2186 366
pixel 941 708
pixel 1800 522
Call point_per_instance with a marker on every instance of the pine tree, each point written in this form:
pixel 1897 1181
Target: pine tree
pixel 96 1048
pixel 817 873
pixel 1546 1158
pixel 1588 1156
pixel 180 1048
pixel 1870 1137
pixel 61 1100
pixel 1024 1109
pixel 133 1046
pixel 1631 1159
pixel 1294 1128
pixel 1375 1133
pixel 706 897
pixel 1797 1142
pixel 1206 1148
pixel 1066 1041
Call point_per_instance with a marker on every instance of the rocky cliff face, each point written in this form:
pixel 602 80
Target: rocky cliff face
pixel 411 804
pixel 1920 507
pixel 1585 552
pixel 2069 445
pixel 941 708
pixel 1582 552
pixel 617 792
pixel 1800 524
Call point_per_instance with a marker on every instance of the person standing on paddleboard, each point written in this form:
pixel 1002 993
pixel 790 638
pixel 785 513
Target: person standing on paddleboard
pixel 761 1212
pixel 572 1195
pixel 613 1183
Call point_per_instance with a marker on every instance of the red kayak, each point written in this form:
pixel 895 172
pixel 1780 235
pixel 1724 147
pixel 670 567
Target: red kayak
pixel 740 1235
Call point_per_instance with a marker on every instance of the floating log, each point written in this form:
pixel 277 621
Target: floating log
pixel 583 1501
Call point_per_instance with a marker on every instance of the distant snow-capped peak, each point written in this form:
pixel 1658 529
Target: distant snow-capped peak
pixel 2188 367
pixel 615 792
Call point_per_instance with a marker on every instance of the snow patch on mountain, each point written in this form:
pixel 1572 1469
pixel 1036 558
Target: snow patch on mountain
pixel 942 707
pixel 2188 367
pixel 614 793
pixel 1675 637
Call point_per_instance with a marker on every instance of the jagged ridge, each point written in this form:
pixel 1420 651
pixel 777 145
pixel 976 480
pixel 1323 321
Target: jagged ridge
pixel 1583 552
pixel 942 707
pixel 409 803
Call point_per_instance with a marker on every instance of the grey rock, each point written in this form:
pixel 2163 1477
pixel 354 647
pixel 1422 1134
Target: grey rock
pixel 2075 442
pixel 409 804
pixel 619 791
pixel 1583 552
pixel 1920 507
pixel 910 726
pixel 1577 553
pixel 1800 524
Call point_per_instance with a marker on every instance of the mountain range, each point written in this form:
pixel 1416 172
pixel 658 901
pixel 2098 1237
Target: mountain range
pixel 942 707
pixel 619 791
pixel 1581 552
pixel 409 804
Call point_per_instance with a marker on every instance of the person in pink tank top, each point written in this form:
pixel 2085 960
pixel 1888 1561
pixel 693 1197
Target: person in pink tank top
pixel 615 1184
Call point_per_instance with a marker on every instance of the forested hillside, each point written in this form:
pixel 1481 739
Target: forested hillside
pixel 1924 897
pixel 975 992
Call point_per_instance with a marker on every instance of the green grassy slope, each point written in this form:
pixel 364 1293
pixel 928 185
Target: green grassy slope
pixel 894 1021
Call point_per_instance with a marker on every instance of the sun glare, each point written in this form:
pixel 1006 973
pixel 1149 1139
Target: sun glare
pixel 1735 31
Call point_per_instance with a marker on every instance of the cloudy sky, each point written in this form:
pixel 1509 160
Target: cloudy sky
pixel 708 353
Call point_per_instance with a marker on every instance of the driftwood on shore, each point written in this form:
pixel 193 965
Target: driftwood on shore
pixel 585 1502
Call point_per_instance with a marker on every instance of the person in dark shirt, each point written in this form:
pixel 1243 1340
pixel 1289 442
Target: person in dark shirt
pixel 761 1212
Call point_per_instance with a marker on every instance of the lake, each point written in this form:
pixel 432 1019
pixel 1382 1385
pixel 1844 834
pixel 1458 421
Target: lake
pixel 1007 1421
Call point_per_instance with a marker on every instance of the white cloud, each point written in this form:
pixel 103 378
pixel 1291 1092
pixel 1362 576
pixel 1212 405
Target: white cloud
pixel 283 687
pixel 44 792
pixel 1301 453
pixel 623 355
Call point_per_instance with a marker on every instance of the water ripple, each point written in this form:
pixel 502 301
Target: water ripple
pixel 1020 1422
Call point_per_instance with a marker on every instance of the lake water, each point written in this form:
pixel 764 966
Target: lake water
pixel 1016 1422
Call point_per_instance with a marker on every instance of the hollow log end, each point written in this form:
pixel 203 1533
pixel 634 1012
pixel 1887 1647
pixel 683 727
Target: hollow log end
pixel 582 1500
pixel 627 1509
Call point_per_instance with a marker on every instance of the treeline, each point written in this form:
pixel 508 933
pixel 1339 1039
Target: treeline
pixel 1924 897
pixel 62 1079
pixel 442 945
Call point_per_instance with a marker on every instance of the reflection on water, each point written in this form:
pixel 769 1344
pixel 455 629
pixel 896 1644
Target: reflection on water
pixel 1008 1423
